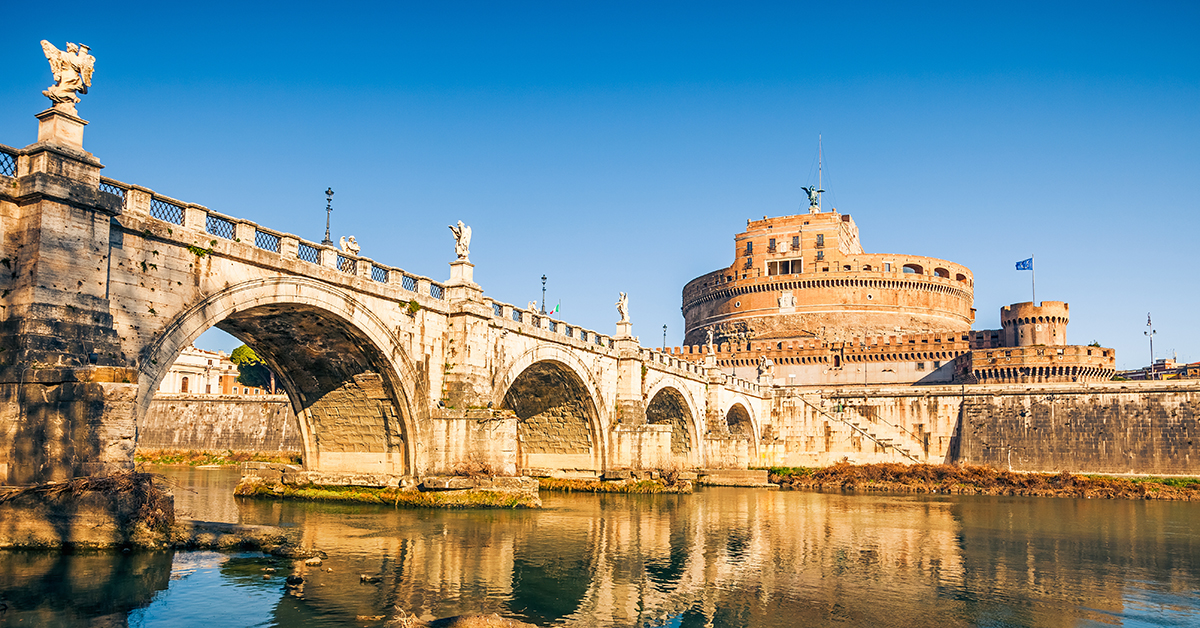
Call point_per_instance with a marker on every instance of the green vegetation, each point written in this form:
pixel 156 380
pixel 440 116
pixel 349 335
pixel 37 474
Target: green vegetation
pixel 639 487
pixel 198 251
pixel 252 371
pixel 969 480
pixel 390 496
pixel 195 458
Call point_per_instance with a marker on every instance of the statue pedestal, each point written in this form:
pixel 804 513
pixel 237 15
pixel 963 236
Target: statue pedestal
pixel 56 126
pixel 624 330
pixel 462 272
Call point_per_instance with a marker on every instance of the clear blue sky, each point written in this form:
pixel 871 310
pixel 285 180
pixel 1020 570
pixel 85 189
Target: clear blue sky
pixel 619 146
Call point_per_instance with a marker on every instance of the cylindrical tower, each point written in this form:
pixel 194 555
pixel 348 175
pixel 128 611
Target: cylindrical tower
pixel 1026 324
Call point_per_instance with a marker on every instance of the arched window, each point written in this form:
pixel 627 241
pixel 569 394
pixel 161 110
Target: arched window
pixel 914 269
pixel 941 272
pixel 183 385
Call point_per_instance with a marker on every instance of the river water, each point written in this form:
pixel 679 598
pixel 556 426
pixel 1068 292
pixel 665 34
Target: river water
pixel 720 557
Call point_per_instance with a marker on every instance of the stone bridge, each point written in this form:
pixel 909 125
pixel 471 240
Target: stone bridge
pixel 104 283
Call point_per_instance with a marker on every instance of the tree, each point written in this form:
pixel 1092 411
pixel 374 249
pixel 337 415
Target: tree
pixel 252 371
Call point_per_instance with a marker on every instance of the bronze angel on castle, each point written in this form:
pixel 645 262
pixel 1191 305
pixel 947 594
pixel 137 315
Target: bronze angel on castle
pixel 72 70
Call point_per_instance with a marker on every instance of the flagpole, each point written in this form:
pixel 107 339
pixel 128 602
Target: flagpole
pixel 1033 278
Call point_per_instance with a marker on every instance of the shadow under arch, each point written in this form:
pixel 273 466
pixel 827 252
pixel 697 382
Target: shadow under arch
pixel 349 380
pixel 671 405
pixel 555 399
pixel 742 423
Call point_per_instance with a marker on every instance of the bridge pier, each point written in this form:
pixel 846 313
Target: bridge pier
pixel 63 375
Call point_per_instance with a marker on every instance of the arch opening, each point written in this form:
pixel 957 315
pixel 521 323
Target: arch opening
pixel 738 420
pixel 556 418
pixel 345 397
pixel 668 407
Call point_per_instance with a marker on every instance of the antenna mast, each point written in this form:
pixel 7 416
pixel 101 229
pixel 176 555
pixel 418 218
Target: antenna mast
pixel 820 184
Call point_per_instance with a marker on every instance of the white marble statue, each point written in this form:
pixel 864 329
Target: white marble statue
pixel 462 240
pixel 533 307
pixel 709 342
pixel 350 245
pixel 623 307
pixel 72 74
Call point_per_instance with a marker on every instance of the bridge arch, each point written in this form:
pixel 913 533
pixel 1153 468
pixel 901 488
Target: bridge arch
pixel 670 402
pixel 559 407
pixel 752 430
pixel 349 380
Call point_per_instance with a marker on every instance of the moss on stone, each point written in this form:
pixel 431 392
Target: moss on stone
pixel 613 486
pixel 472 498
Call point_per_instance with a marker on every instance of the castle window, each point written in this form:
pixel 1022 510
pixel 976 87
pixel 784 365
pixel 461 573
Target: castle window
pixel 820 239
pixel 937 365
pixel 795 242
pixel 208 389
pixel 914 269
pixel 183 385
pixel 846 267
pixel 887 267
pixel 771 245
pixel 920 366
pixel 749 248
pixel 821 256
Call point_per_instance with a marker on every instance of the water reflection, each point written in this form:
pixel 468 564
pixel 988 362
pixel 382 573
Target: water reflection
pixel 722 557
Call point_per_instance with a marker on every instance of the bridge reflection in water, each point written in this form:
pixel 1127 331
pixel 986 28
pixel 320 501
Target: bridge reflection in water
pixel 721 557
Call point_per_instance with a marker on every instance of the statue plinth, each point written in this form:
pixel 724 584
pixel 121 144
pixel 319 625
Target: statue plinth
pixel 56 126
pixel 462 273
pixel 624 329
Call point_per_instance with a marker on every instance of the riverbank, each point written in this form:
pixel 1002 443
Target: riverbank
pixel 630 486
pixel 970 480
pixel 204 457
pixel 389 496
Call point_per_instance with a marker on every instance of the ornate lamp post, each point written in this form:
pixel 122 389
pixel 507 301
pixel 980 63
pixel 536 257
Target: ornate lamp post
pixel 1150 334
pixel 543 294
pixel 328 210
pixel 664 339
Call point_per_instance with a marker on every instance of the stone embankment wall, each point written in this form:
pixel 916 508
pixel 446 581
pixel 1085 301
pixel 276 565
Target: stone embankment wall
pixel 213 422
pixel 1110 427
pixel 1145 429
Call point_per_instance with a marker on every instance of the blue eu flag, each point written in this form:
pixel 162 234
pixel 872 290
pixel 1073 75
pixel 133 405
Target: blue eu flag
pixel 1025 264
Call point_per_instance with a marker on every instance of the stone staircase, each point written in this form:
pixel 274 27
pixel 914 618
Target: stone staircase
pixel 888 436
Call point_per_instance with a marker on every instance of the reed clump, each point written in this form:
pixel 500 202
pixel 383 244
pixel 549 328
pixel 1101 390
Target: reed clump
pixel 977 480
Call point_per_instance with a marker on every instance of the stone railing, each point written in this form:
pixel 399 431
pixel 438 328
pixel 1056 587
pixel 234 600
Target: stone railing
pixel 527 319
pixel 285 245
pixel 671 362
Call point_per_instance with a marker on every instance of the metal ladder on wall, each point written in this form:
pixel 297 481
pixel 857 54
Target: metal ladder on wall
pixel 882 442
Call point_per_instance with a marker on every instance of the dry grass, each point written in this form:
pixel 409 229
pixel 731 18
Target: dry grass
pixel 390 496
pixel 156 510
pixel 198 457
pixel 971 480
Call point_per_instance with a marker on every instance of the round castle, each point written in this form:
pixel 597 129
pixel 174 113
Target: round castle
pixel 807 276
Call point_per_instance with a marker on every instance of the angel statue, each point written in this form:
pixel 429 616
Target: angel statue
pixel 350 245
pixel 72 73
pixel 813 199
pixel 709 342
pixel 623 307
pixel 462 240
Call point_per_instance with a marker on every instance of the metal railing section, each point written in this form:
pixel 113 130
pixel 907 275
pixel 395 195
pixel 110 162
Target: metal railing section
pixel 111 187
pixel 518 315
pixel 554 326
pixel 347 265
pixel 166 211
pixel 379 274
pixel 266 240
pixel 218 226
pixel 308 253
pixel 8 162
pixel 497 309
pixel 436 291
pixel 409 283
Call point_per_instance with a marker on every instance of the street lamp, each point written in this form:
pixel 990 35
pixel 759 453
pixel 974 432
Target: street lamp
pixel 1150 334
pixel 543 295
pixel 328 210
pixel 664 338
